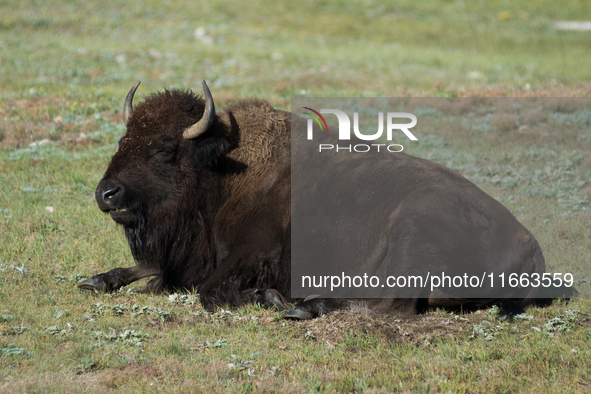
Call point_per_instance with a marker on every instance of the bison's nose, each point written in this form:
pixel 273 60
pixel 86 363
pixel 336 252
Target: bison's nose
pixel 108 196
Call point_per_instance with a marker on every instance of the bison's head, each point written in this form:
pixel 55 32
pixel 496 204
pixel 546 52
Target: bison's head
pixel 171 138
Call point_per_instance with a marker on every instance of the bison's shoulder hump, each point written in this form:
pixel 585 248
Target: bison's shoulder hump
pixel 256 116
pixel 264 131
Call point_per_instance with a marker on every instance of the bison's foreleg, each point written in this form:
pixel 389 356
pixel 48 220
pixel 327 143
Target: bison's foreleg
pixel 268 297
pixel 117 278
pixel 222 289
pixel 248 276
pixel 316 307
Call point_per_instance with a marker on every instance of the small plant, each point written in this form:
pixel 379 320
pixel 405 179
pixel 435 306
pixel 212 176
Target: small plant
pixel 11 351
pixel 88 363
pixel 561 323
pixel 128 337
pixel 56 331
pixel 485 330
pixel 241 365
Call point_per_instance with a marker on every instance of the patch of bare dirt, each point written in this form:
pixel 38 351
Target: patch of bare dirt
pixel 26 121
pixel 335 326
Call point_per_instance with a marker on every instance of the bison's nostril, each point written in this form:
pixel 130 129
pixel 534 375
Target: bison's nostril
pixel 108 194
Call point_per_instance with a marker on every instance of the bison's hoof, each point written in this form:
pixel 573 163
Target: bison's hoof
pixel 95 283
pixel 297 314
pixel 274 298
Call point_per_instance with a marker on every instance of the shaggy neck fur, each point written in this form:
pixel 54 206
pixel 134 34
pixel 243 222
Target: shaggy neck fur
pixel 178 242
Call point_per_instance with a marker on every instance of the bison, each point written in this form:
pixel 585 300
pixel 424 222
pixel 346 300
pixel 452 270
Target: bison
pixel 204 199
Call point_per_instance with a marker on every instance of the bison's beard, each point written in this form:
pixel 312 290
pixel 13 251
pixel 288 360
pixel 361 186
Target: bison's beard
pixel 177 244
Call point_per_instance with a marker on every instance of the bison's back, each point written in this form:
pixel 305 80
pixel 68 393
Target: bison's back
pixel 395 214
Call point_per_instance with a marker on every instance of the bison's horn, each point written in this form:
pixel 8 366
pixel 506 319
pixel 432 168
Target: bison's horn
pixel 128 106
pixel 206 120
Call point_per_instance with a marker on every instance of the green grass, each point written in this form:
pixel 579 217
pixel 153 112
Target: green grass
pixel 65 68
pixel 95 49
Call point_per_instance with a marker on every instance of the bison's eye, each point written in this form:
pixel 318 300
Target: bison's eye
pixel 165 153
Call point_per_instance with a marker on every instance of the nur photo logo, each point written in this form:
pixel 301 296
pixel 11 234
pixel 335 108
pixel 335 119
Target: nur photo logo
pixel 344 130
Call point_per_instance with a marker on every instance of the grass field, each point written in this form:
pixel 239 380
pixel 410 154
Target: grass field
pixel 65 67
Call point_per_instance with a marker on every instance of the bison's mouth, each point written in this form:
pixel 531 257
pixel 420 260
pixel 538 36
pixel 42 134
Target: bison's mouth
pixel 121 215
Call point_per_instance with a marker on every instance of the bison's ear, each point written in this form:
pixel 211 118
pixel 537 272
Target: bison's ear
pixel 207 151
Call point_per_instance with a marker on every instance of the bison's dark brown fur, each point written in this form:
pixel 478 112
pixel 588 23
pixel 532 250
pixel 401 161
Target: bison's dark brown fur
pixel 212 212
